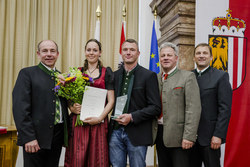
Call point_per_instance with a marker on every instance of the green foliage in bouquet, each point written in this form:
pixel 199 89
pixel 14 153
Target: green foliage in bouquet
pixel 71 85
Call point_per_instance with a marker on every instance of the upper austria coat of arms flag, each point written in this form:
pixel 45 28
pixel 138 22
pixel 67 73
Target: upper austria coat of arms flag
pixel 224 25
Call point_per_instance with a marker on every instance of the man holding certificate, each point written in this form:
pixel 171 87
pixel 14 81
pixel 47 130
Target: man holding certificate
pixel 137 105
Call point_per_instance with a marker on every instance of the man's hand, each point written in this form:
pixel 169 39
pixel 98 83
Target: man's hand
pixel 76 108
pixel 32 146
pixel 124 119
pixel 215 142
pixel 187 144
pixel 61 78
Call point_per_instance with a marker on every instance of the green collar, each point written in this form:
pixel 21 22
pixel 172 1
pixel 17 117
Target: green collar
pixel 130 72
pixel 172 73
pixel 42 67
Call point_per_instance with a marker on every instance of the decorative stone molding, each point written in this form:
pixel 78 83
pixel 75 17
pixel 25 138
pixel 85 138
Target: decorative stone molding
pixel 177 25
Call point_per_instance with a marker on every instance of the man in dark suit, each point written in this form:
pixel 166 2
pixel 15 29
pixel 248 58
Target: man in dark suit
pixel 216 100
pixel 40 116
pixel 181 108
pixel 131 132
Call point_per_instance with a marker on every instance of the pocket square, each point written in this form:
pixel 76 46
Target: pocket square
pixel 178 88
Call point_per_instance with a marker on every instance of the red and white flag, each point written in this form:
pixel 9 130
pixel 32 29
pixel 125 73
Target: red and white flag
pixel 123 37
pixel 224 25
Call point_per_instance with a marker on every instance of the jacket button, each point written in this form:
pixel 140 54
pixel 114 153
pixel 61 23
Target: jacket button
pixel 50 126
pixel 53 113
pixel 54 101
pixel 52 77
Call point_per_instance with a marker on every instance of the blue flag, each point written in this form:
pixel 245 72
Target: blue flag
pixel 154 56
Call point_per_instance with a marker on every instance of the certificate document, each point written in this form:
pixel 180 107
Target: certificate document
pixel 93 102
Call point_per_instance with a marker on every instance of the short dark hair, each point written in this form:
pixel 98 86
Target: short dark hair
pixel 96 41
pixel 38 45
pixel 131 41
pixel 204 45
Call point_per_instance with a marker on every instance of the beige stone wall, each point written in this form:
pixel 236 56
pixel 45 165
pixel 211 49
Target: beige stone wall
pixel 177 25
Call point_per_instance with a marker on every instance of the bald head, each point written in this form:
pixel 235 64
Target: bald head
pixel 39 44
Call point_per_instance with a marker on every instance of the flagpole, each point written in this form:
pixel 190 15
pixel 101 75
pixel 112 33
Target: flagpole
pixel 154 64
pixel 97 26
pixel 155 17
pixel 124 14
pixel 123 33
pixel 98 12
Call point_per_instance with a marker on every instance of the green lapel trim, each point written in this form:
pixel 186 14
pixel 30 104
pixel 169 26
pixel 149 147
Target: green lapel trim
pixel 45 69
pixel 172 73
pixel 130 87
pixel 42 67
pixel 65 131
pixel 119 84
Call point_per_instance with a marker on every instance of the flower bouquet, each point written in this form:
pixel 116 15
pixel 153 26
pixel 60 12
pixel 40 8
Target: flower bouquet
pixel 71 85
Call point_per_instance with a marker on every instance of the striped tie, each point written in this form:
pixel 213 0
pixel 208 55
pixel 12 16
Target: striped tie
pixel 57 112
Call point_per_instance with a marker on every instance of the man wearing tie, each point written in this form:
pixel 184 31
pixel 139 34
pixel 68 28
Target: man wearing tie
pixel 180 97
pixel 216 100
pixel 40 116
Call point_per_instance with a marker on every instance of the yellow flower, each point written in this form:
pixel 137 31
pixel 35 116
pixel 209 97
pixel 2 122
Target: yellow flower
pixel 68 79
pixel 86 78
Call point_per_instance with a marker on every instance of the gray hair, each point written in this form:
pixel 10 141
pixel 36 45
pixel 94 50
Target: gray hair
pixel 170 45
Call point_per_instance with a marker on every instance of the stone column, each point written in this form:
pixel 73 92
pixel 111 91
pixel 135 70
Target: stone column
pixel 177 25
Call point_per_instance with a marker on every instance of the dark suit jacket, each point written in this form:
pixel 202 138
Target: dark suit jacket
pixel 34 106
pixel 216 100
pixel 143 103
